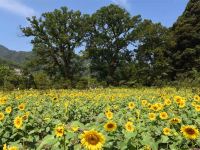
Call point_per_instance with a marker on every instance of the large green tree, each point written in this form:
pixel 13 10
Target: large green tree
pixel 108 42
pixel 56 35
pixel 186 53
pixel 152 61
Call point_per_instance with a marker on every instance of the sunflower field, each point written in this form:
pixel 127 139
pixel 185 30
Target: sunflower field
pixel 110 119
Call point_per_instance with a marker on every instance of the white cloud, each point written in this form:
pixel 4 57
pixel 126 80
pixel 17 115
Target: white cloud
pixel 123 3
pixel 17 7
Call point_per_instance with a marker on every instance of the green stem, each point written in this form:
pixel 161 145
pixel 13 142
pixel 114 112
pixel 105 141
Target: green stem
pixel 64 143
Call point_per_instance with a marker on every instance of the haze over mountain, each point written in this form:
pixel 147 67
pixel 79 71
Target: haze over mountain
pixel 17 57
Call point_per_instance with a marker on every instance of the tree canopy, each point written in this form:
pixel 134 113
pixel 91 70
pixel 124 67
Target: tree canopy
pixel 56 36
pixel 111 30
pixel 116 48
pixel 186 53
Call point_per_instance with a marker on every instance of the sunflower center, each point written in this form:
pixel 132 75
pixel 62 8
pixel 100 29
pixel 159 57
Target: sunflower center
pixel 167 131
pixel 59 130
pixel 110 125
pixel 129 127
pixel 155 107
pixel 93 139
pixel 190 131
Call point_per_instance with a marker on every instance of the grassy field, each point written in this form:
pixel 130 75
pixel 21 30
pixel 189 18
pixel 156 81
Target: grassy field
pixel 143 119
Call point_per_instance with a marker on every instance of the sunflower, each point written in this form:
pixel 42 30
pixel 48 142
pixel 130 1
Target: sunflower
pixel 131 105
pixel 178 99
pixel 4 147
pixel 13 148
pixel 156 107
pixel 92 140
pixel 166 131
pixel 18 122
pixel 3 100
pixel 190 132
pixel 152 116
pixel 197 98
pixel 1 116
pixel 149 105
pixel 110 126
pixel 21 106
pixel 163 115
pixel 26 115
pixel 144 102
pixel 175 120
pixel 181 104
pixel 59 131
pixel 115 107
pixel 194 104
pixel 167 102
pixel 197 108
pixel 160 106
pixel 129 126
pixel 147 147
pixel 8 109
pixel 109 114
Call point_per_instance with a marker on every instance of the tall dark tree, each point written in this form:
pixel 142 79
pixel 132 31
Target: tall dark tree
pixel 56 35
pixel 154 42
pixel 186 53
pixel 108 41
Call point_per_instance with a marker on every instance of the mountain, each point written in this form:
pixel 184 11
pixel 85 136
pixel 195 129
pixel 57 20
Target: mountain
pixel 16 57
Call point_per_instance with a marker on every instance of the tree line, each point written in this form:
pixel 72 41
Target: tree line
pixel 111 47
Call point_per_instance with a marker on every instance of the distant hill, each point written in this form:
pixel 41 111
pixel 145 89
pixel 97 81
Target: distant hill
pixel 8 63
pixel 13 57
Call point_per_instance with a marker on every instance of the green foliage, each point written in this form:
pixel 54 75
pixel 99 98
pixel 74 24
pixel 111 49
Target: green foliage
pixel 62 84
pixel 7 63
pixel 42 80
pixel 4 73
pixel 151 56
pixel 82 84
pixel 77 111
pixel 110 35
pixel 189 79
pixel 55 36
pixel 10 79
pixel 118 50
pixel 186 52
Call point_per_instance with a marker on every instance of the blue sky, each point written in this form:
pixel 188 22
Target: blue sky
pixel 13 13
